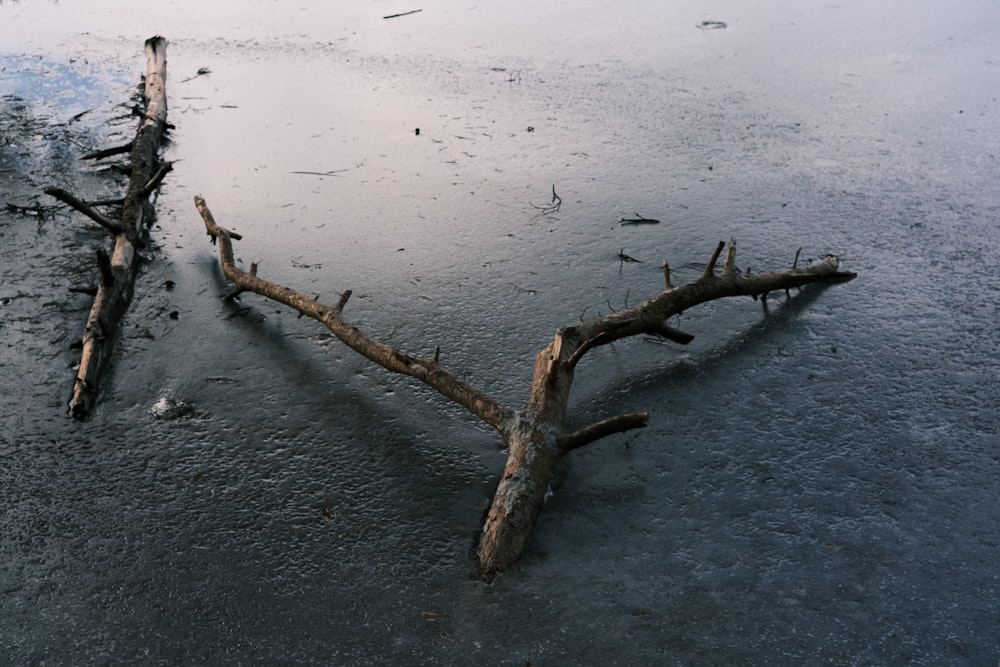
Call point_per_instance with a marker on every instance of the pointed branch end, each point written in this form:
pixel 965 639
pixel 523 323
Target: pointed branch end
pixel 342 301
pixel 710 267
pixel 602 429
pixel 211 228
pixel 675 335
pixel 666 276
pixel 729 264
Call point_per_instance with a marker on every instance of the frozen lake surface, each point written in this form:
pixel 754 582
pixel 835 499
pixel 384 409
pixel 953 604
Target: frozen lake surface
pixel 818 484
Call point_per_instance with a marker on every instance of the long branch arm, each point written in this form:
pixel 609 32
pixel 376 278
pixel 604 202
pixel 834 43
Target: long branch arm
pixel 650 316
pixel 430 372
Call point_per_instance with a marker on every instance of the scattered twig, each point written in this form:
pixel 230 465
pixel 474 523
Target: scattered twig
pixel 332 172
pixel 81 115
pixel 35 209
pixel 639 220
pixel 625 258
pixel 202 71
pixel 550 208
pixel 393 16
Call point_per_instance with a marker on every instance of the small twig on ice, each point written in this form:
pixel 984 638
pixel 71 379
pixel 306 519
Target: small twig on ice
pixel 639 220
pixel 332 172
pixel 81 115
pixel 625 258
pixel 553 207
pixel 393 16
pixel 202 71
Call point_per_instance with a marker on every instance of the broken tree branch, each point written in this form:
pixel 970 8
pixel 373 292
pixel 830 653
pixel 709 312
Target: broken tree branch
pixel 118 272
pixel 537 435
pixel 431 373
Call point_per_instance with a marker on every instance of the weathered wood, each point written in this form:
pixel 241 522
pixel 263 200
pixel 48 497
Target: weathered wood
pixel 118 273
pixel 537 435
pixel 541 440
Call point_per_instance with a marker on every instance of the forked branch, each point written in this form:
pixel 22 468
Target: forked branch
pixel 537 436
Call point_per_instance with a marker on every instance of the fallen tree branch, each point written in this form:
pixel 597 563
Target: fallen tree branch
pixel 536 435
pixel 118 270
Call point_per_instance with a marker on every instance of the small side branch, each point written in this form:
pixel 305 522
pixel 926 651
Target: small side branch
pixel 108 152
pixel 602 429
pixel 729 265
pixel 670 333
pixel 82 207
pixel 710 267
pixel 342 301
pixel 157 178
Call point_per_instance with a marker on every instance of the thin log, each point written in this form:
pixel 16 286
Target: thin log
pixel 537 436
pixel 118 272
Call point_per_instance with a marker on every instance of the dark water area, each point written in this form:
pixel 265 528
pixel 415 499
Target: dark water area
pixel 818 483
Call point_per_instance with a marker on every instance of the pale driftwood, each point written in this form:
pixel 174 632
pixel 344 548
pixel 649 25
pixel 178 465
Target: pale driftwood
pixel 118 272
pixel 536 435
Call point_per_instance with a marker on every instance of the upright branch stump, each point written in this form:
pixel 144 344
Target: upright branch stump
pixel 537 435
pixel 118 272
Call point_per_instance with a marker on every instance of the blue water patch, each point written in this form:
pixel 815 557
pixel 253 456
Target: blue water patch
pixel 65 88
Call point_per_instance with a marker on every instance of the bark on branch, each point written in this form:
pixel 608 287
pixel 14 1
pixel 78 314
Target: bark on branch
pixel 118 272
pixel 537 435
pixel 428 371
